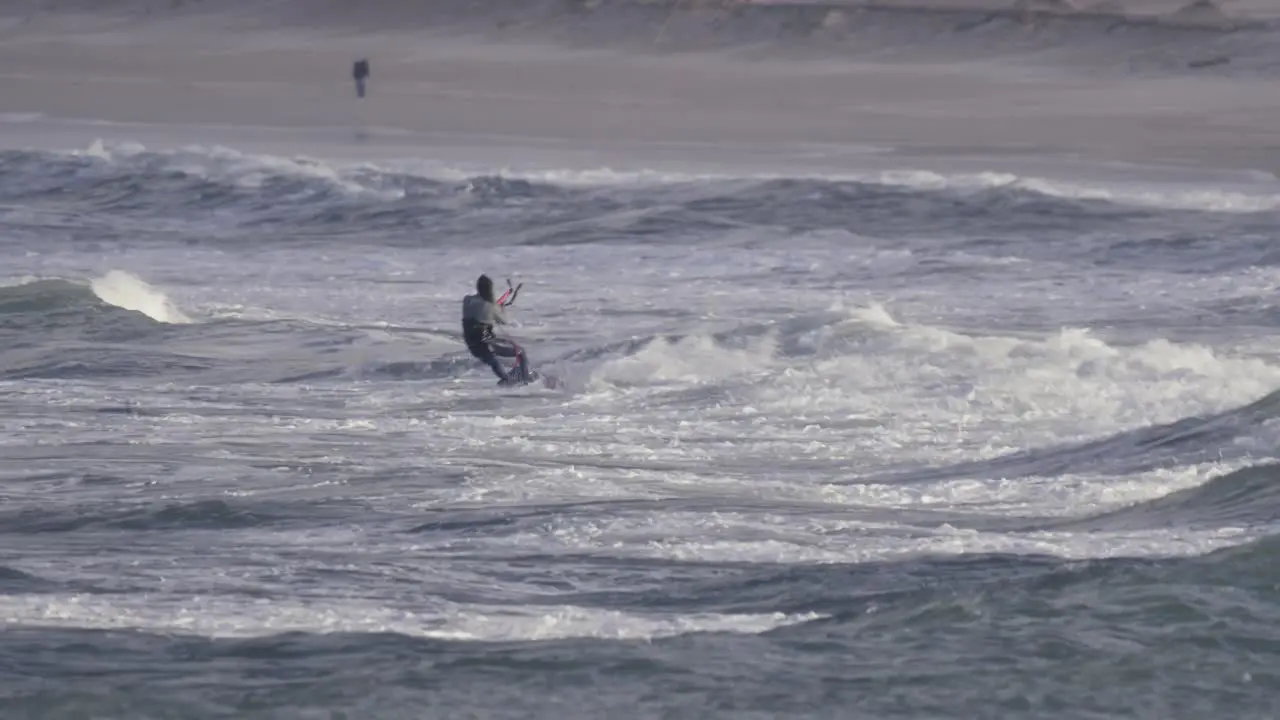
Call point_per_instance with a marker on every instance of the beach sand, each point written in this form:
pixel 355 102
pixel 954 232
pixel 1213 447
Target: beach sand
pixel 172 73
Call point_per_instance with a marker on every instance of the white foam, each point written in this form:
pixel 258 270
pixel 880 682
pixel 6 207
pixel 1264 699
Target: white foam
pixel 1264 196
pixel 251 170
pixel 1261 196
pixel 762 537
pixel 124 290
pixel 1067 495
pixel 742 451
pixel 690 359
pixel 248 170
pixel 227 617
pixel 1026 390
pixel 20 280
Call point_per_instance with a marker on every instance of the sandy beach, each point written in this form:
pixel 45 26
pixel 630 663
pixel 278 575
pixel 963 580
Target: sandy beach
pixel 198 73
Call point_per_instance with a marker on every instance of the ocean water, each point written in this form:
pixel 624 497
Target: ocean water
pixel 890 443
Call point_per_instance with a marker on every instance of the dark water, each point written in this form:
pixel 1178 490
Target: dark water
pixel 883 447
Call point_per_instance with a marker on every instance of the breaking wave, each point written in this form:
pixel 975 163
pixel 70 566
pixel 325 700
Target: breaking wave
pixel 116 298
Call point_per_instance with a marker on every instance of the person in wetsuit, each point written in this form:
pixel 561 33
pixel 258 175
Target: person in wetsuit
pixel 480 313
pixel 360 72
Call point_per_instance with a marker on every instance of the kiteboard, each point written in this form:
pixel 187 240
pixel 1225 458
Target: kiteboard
pixel 530 377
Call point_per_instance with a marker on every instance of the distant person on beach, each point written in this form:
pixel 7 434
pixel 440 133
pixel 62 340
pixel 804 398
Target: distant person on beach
pixel 360 71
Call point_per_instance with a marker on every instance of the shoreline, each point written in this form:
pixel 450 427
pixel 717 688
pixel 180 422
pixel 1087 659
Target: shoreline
pixel 179 86
pixel 458 156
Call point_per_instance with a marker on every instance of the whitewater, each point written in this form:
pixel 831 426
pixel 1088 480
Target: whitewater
pixel 917 362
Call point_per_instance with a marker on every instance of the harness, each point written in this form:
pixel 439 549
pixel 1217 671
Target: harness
pixel 480 334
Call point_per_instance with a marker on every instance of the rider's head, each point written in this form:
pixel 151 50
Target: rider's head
pixel 484 286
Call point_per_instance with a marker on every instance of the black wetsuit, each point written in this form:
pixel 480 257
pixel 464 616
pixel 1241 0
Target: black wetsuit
pixel 360 71
pixel 478 318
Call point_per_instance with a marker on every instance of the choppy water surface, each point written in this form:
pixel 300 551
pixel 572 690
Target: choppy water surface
pixel 891 445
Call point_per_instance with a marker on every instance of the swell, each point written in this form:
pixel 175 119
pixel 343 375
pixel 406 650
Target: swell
pixel 55 304
pixel 170 517
pixel 59 329
pixel 125 194
pixel 13 581
pixel 913 584
pixel 917 595
pixel 1186 441
pixel 1243 498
